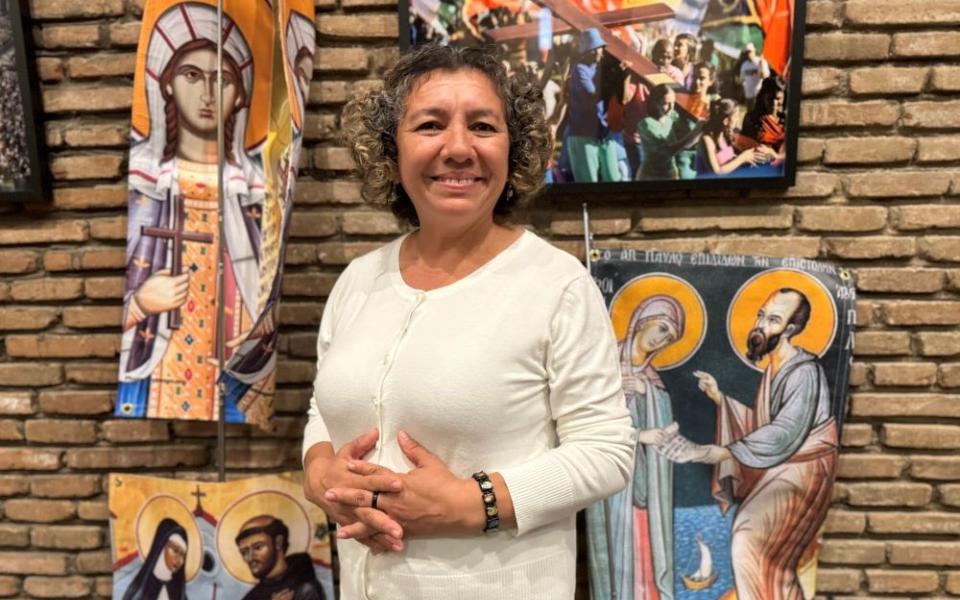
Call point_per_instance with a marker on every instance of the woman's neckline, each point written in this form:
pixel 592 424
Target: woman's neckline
pixel 401 284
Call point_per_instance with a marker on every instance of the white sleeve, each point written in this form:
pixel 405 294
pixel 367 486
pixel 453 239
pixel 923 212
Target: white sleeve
pixel 594 458
pixel 316 430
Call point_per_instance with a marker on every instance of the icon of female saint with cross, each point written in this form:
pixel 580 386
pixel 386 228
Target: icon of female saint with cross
pixel 169 363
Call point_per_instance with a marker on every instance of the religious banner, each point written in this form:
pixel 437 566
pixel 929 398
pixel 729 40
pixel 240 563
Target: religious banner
pixel 735 372
pixel 251 539
pixel 176 306
pixel 645 94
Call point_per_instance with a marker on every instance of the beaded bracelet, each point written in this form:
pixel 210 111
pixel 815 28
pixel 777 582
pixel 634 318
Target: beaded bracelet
pixel 490 509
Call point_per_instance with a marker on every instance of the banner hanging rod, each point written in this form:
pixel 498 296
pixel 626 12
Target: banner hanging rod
pixel 587 240
pixel 221 333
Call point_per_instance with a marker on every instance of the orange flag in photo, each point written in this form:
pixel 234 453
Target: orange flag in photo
pixel 776 20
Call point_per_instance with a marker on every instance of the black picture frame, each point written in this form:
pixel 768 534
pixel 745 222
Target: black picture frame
pixel 742 183
pixel 34 186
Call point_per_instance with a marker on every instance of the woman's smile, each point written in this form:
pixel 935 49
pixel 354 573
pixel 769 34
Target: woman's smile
pixel 457 181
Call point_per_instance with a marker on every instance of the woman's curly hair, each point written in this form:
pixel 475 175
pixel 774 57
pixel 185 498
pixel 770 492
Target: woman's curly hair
pixel 369 126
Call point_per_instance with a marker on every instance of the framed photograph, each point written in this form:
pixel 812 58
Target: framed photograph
pixel 21 172
pixel 646 94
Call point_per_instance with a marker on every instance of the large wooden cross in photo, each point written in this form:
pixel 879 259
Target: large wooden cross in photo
pixel 569 17
pixel 572 17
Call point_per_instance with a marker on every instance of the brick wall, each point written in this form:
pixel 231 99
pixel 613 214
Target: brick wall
pixel 878 190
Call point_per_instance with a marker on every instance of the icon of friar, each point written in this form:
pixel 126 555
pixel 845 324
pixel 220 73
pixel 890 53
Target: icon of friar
pixel 263 542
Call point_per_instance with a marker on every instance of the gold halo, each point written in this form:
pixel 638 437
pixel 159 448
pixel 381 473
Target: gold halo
pixel 275 504
pixel 162 507
pixel 742 314
pixel 638 289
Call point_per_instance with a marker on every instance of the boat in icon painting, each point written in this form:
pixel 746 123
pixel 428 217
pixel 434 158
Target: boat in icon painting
pixel 706 575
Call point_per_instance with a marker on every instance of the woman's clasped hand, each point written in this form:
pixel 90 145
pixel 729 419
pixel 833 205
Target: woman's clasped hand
pixel 427 501
pixel 373 528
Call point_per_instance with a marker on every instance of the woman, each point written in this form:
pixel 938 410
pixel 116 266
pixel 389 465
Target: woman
pixel 763 126
pixel 631 544
pixel 468 346
pixel 662 136
pixel 685 56
pixel 703 80
pixel 635 96
pixel 718 155
pixel 162 575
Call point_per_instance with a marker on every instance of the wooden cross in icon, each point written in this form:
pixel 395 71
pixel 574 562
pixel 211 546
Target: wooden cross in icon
pixel 177 237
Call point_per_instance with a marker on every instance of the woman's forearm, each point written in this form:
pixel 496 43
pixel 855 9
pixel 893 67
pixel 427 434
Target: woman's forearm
pixel 687 139
pixel 733 165
pixel 468 512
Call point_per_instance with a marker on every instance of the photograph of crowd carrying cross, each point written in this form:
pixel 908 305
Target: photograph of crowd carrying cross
pixel 20 176
pixel 645 91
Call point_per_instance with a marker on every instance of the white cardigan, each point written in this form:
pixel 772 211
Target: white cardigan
pixel 511 369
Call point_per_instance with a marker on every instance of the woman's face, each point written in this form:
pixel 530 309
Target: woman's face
pixel 666 105
pixel 728 124
pixel 702 81
pixel 453 147
pixel 681 50
pixel 174 555
pixel 194 91
pixel 776 103
pixel 654 335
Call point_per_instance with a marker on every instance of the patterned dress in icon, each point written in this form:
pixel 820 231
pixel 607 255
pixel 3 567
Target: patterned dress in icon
pixel 183 384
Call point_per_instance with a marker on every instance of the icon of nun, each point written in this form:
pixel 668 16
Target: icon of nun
pixel 162 575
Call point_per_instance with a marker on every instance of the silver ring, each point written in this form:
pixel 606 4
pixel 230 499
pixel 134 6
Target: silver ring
pixel 373 501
